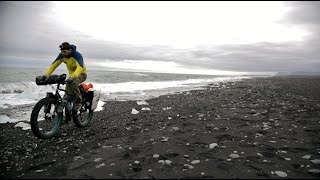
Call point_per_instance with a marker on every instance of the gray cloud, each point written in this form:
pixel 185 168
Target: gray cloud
pixel 304 13
pixel 29 35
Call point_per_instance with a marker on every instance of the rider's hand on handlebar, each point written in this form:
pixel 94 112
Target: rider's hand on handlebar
pixel 70 79
pixel 44 77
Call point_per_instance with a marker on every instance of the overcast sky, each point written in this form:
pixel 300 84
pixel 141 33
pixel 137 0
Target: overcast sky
pixel 165 36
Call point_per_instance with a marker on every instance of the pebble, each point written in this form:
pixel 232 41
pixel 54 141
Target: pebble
pixel 281 174
pixel 188 166
pixel 156 155
pixel 306 157
pixel 234 156
pixel 186 156
pixel 78 157
pixel 150 170
pixel 136 162
pixel 97 159
pixel 213 145
pixel 195 162
pixel 187 144
pixel 39 170
pixel 315 161
pixel 100 165
pixel 288 159
pixel 314 171
pixel 161 161
pixel 228 159
pixel 202 173
pixel 168 162
pixel 165 139
pixel 175 128
pixel 166 108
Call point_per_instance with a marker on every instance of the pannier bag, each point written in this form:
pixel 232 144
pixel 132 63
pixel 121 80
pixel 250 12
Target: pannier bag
pixel 90 95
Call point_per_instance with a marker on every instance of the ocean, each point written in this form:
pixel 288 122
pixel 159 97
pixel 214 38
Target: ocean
pixel 18 88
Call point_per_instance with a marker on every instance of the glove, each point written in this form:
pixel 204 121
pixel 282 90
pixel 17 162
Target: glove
pixel 44 78
pixel 70 79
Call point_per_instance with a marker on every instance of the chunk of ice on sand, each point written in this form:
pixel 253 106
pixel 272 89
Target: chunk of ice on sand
pixel 99 107
pixel 25 126
pixel 134 111
pixel 5 119
pixel 142 102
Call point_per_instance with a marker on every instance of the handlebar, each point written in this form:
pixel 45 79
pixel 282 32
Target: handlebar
pixel 53 79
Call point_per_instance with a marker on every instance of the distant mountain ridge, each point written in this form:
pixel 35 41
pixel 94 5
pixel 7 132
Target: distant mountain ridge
pixel 296 73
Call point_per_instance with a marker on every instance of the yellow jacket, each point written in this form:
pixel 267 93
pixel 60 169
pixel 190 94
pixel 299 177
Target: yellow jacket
pixel 74 64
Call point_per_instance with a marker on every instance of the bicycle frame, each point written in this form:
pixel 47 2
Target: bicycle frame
pixel 57 96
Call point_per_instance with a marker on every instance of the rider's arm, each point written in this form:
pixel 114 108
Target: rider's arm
pixel 79 64
pixel 54 65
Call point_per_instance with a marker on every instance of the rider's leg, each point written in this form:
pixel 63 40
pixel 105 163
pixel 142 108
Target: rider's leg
pixel 73 89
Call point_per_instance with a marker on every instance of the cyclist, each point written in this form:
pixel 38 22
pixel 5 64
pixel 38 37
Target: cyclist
pixel 77 71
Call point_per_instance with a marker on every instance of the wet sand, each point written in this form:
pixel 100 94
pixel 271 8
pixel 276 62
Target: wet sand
pixel 255 128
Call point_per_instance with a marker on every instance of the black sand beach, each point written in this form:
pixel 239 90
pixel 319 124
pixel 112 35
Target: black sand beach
pixel 263 128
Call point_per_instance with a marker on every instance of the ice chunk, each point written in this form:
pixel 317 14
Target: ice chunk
pixel 5 119
pixel 134 111
pixel 145 109
pixel 142 102
pixel 25 126
pixel 99 106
